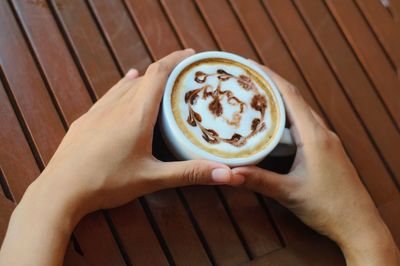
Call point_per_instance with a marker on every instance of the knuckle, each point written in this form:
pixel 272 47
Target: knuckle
pixel 260 182
pixel 256 182
pixel 158 67
pixel 76 123
pixel 192 175
pixel 327 139
pixel 334 136
pixel 291 89
pixel 152 68
pixel 322 135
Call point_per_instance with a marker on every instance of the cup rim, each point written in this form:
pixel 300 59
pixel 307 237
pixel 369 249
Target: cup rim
pixel 183 140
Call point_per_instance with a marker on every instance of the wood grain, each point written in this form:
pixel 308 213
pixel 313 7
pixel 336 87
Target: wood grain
pixel 270 46
pixel 57 57
pixel 146 240
pixel 92 54
pixel 226 28
pixel 329 93
pixel 256 229
pixel 18 167
pixel 384 27
pixel 44 125
pixel 370 53
pixel 121 34
pixel 352 77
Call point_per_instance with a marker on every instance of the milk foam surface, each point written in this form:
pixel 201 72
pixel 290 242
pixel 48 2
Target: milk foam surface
pixel 236 126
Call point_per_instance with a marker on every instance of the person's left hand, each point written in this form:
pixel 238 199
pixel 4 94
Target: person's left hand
pixel 106 160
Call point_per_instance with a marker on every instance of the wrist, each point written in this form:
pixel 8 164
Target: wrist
pixel 49 206
pixel 41 218
pixel 370 244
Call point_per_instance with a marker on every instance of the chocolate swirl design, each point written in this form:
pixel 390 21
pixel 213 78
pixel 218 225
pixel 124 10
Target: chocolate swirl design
pixel 258 103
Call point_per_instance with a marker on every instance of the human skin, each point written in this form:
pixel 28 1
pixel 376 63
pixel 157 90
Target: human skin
pixel 323 188
pixel 105 161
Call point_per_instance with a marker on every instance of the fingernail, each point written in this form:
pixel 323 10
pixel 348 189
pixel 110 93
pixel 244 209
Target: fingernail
pixel 131 73
pixel 221 175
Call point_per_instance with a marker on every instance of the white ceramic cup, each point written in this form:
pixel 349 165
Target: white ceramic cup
pixel 184 149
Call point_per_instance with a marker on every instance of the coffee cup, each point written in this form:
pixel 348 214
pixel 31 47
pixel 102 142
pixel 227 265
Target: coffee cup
pixel 222 107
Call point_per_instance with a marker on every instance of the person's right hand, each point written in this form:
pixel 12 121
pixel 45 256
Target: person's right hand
pixel 323 188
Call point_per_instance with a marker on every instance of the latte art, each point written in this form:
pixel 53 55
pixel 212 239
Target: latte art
pixel 258 103
pixel 224 107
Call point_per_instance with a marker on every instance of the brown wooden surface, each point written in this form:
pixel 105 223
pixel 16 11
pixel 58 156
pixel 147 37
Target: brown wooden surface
pixel 59 56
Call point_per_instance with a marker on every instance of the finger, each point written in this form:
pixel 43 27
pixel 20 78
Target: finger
pixel 298 111
pixel 153 84
pixel 132 73
pixel 118 90
pixel 127 82
pixel 263 181
pixel 194 172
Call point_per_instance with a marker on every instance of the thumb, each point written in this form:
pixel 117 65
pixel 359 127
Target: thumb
pixel 268 183
pixel 196 172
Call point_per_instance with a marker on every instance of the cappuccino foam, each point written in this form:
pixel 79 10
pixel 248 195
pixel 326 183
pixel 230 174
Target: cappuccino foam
pixel 224 107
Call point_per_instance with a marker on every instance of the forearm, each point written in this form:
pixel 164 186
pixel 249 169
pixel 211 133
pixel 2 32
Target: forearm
pixel 39 230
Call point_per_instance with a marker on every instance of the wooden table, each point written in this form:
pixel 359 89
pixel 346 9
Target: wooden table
pixel 59 56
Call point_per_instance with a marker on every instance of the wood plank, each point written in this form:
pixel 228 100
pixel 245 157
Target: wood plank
pixel 121 34
pixel 18 167
pixel 51 50
pixel 41 118
pixel 370 53
pixel 302 243
pixel 227 248
pixel 257 235
pixel 352 77
pixel 303 253
pixel 138 238
pixel 149 18
pixel 73 258
pixel 215 225
pixel 335 103
pixel 271 48
pixel 390 212
pixel 252 17
pixel 17 163
pixel 7 207
pixel 394 10
pixel 385 28
pixel 94 238
pixel 178 255
pixel 189 25
pixel 252 220
pixel 256 229
pixel 274 54
pixel 108 32
pixel 11 43
pixel 210 218
pixel 176 228
pixel 223 14
pixel 56 62
pixel 94 59
pixel 225 27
